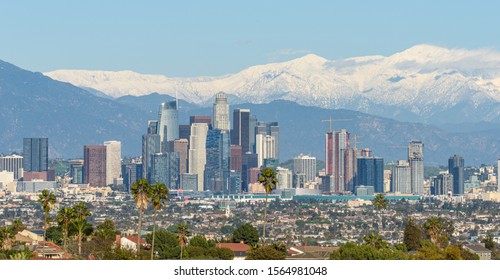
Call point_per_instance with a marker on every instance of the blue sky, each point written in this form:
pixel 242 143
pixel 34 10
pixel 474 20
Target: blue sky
pixel 194 38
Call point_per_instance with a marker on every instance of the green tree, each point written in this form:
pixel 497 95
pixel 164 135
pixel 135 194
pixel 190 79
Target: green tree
pixel 167 244
pixel 141 190
pixel 159 197
pixel 18 226
pixel 439 230
pixel 413 235
pixel 375 240
pixel 246 233
pixel 46 199
pixel 79 221
pixel 199 241
pixel 489 243
pixel 64 217
pixel 106 230
pixel 6 237
pixel 266 252
pixel 352 251
pixel 268 180
pixel 55 235
pixel 182 234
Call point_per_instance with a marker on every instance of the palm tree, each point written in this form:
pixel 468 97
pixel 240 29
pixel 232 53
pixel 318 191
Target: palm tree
pixel 268 179
pixel 159 197
pixel 64 217
pixel 141 190
pixel 380 202
pixel 47 199
pixel 433 226
pixel 6 237
pixel 79 221
pixel 182 233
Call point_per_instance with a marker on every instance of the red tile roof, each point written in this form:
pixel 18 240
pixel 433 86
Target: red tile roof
pixel 133 238
pixel 235 247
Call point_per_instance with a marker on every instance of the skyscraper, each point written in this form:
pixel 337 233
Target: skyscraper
pixel 248 161
pixel 217 165
pixel 197 151
pixel 150 146
pixel 168 123
pixel 329 148
pixel 35 154
pixel 221 112
pixel 181 146
pixel 266 141
pixel 284 176
pixel 371 173
pixel 94 168
pixel 341 161
pixel 456 168
pixel 113 161
pixel 165 169
pixel 416 160
pixel 236 158
pixel 401 178
pixel 200 119
pixel 443 184
pixel 305 165
pixel 76 171
pixel 240 135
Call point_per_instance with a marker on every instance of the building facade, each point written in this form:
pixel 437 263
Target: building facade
pixel 456 168
pixel 113 161
pixel 35 154
pixel 416 160
pixel 221 112
pixel 197 152
pixel 94 168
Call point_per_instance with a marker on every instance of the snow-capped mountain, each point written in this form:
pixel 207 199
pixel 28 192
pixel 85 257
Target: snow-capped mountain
pixel 425 81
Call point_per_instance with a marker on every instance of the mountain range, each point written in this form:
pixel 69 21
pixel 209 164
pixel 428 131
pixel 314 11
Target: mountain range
pixel 424 83
pixel 35 105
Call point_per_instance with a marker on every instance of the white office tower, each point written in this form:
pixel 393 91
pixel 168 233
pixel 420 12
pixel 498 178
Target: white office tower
pixel 305 165
pixel 13 163
pixel 265 147
pixel 113 161
pixel 168 123
pixel 401 178
pixel 198 151
pixel 221 112
pixel 284 177
pixel 416 160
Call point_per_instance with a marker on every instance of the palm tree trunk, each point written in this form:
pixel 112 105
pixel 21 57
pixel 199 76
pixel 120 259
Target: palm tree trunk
pixel 45 226
pixel 80 237
pixel 65 240
pixel 153 240
pixel 265 221
pixel 181 251
pixel 139 233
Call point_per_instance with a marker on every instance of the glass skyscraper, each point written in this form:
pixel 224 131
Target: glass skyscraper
pixel 35 154
pixel 456 168
pixel 217 167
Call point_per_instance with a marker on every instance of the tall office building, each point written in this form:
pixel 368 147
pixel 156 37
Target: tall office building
pixel 416 160
pixel 221 112
pixel 236 160
pixel 456 168
pixel 184 131
pixel 240 135
pixel 401 178
pixel 442 184
pixel 165 169
pixel 251 134
pixel 305 165
pixel 181 146
pixel 168 123
pixel 371 173
pixel 284 177
pixel 150 146
pixel 113 161
pixel 341 161
pixel 217 165
pixel 35 154
pixel 197 152
pixel 94 167
pixel 265 129
pixel 200 119
pixel 248 161
pixel 131 173
pixel 329 148
pixel 76 171
pixel 13 163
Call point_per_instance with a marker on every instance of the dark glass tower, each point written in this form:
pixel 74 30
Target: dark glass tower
pixel 35 154
pixel 217 166
pixel 371 173
pixel 240 135
pixel 456 168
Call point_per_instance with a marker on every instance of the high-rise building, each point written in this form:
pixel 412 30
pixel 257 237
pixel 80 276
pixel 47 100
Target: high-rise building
pixel 13 163
pixel 221 112
pixel 189 182
pixel 181 146
pixel 201 119
pixel 341 161
pixel 113 161
pixel 329 151
pixel 184 131
pixel 251 134
pixel 197 152
pixel 284 177
pixel 267 143
pixel 168 123
pixel 305 165
pixel 76 171
pixel 371 173
pixel 150 146
pixel 35 154
pixel 131 173
pixel 165 169
pixel 240 135
pixel 234 182
pixel 94 167
pixel 401 178
pixel 443 184
pixel 217 166
pixel 456 168
pixel 416 160
pixel 236 160
pixel 248 161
